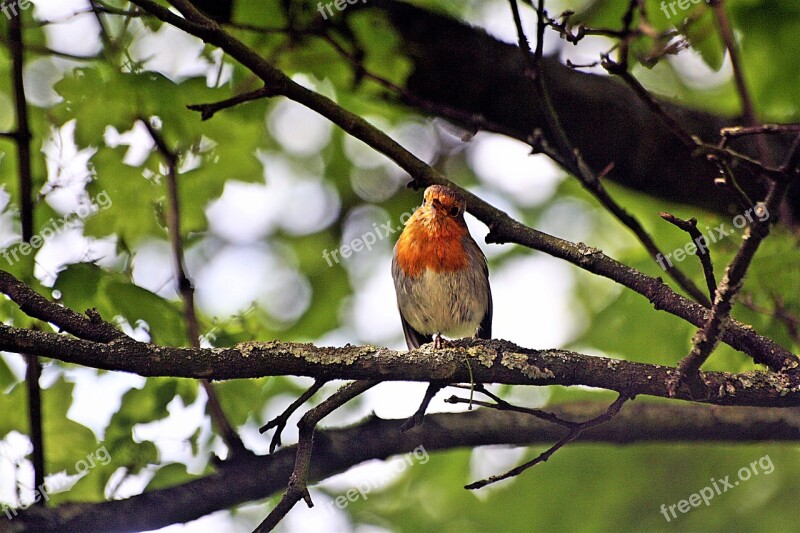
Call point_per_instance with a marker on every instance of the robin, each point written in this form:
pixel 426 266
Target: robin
pixel 440 274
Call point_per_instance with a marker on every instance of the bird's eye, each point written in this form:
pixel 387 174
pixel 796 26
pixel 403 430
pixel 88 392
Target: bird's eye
pixel 454 211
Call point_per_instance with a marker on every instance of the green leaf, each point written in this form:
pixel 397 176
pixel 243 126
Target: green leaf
pixel 704 37
pixel 14 404
pixel 85 286
pixel 130 221
pixel 138 406
pixel 56 401
pixel 170 475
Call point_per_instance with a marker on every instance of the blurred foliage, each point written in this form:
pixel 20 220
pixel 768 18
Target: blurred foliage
pixel 339 189
pixel 593 488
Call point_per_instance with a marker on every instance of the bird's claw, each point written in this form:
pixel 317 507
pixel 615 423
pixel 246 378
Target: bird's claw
pixel 439 342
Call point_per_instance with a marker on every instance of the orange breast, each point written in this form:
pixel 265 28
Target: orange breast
pixel 428 242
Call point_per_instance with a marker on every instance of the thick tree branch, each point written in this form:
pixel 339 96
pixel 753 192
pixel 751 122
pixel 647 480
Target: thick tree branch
pixel 494 361
pixel 336 450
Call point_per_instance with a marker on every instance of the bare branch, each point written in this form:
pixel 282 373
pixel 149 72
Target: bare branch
pixel 209 110
pixel 573 434
pixel 701 243
pixel 763 129
pixel 417 418
pixel 298 481
pixel 502 405
pixel 279 422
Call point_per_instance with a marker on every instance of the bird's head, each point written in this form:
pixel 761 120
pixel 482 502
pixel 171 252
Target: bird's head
pixel 444 204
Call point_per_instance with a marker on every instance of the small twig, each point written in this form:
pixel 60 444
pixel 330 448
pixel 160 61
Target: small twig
pixel 298 481
pixel 208 110
pixel 279 422
pixel 502 405
pixel 186 290
pixel 766 129
pixel 538 413
pixel 729 179
pixel 790 320
pixel 690 227
pixel 417 417
pixel 711 152
pixel 573 434
pixel 570 64
pixel 748 108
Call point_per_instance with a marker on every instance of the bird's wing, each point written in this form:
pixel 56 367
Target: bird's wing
pixel 414 339
pixel 485 329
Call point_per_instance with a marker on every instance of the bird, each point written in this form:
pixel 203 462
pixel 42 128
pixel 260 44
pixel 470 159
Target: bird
pixel 441 277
